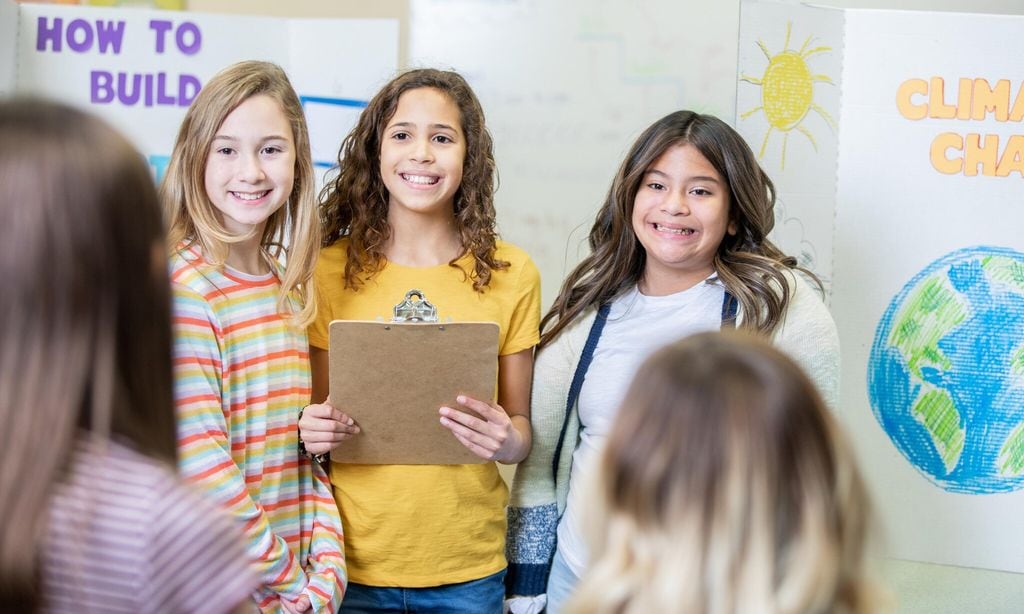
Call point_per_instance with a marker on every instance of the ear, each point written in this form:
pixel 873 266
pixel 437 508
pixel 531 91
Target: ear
pixel 732 229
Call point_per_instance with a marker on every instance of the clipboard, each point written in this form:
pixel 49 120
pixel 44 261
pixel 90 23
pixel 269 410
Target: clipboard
pixel 392 377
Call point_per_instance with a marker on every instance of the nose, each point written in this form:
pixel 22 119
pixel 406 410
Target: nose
pixel 676 203
pixel 422 151
pixel 250 169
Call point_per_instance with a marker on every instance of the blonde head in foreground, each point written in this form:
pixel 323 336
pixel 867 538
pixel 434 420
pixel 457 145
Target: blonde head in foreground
pixel 726 486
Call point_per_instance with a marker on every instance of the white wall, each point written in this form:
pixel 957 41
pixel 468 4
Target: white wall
pixel 567 85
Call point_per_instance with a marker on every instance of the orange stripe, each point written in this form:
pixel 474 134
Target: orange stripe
pixel 329 553
pixel 331 530
pixel 200 322
pixel 198 398
pixel 254 439
pixel 214 470
pixel 184 441
pixel 253 322
pixel 241 366
pixel 267 601
pixel 284 574
pixel 192 359
pixel 284 392
pixel 270 471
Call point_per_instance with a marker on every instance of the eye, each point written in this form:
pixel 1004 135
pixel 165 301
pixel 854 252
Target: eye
pixel 654 185
pixel 224 151
pixel 271 150
pixel 400 136
pixel 444 139
pixel 700 192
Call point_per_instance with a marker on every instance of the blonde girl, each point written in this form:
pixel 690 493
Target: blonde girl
pixel 412 207
pixel 238 189
pixel 92 515
pixel 680 246
pixel 726 486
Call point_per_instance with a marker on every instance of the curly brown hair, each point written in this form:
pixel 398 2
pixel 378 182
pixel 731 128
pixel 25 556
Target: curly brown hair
pixel 748 264
pixel 354 203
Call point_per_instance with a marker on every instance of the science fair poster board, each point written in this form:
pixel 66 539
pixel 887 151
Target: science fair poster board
pixel 141 68
pixel 897 143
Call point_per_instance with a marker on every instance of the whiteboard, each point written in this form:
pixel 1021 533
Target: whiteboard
pixel 566 87
pixel 568 84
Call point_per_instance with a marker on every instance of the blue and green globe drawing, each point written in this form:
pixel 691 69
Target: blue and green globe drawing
pixel 946 371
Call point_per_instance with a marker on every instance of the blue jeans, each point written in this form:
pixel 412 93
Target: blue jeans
pixel 484 595
pixel 561 584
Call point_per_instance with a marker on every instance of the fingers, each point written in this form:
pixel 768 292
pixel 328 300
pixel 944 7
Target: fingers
pixel 300 605
pixel 325 411
pixel 327 430
pixel 485 438
pixel 322 427
pixel 480 451
pixel 473 429
pixel 483 446
pixel 467 420
pixel 487 411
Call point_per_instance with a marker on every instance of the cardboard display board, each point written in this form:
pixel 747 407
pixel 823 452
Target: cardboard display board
pixel 140 69
pixel 913 191
pixel 392 378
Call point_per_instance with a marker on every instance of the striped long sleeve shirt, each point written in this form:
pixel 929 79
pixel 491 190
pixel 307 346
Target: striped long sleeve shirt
pixel 126 536
pixel 241 376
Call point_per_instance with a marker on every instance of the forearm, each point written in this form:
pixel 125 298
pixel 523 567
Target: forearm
pixel 206 463
pixel 325 568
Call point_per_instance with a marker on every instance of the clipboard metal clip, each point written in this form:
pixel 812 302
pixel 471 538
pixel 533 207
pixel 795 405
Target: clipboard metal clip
pixel 415 308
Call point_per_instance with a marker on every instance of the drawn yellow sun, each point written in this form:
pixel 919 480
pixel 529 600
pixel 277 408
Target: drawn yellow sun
pixel 787 92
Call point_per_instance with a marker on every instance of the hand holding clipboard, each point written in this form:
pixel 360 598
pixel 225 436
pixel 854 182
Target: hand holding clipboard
pixel 395 377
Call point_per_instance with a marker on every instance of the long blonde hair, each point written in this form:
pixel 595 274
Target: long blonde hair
pixel 193 219
pixel 726 486
pixel 84 316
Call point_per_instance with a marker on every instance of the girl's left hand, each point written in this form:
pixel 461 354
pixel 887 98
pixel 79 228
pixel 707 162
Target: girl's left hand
pixel 494 437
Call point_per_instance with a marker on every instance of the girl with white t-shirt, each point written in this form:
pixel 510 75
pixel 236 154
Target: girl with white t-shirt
pixel 679 247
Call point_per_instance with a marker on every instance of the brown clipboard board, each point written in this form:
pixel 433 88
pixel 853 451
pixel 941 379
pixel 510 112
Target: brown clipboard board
pixel 392 377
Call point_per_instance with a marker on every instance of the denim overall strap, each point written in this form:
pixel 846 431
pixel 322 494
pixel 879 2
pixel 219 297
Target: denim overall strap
pixel 577 380
pixel 729 308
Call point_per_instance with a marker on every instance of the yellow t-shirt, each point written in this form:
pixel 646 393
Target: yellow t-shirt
pixel 426 525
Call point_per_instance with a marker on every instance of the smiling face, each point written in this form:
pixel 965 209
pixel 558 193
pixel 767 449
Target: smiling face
pixel 680 216
pixel 250 168
pixel 422 153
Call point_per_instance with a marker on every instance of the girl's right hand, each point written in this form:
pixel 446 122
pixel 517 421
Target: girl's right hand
pixel 322 427
pixel 300 605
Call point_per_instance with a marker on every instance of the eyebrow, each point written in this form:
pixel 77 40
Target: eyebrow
pixel 654 171
pixel 434 126
pixel 272 137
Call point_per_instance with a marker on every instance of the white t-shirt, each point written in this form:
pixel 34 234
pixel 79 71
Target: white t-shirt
pixel 637 326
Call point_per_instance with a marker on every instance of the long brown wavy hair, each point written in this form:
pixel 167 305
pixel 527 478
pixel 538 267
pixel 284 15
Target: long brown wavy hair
pixel 84 316
pixel 192 218
pixel 749 265
pixel 355 203
pixel 727 486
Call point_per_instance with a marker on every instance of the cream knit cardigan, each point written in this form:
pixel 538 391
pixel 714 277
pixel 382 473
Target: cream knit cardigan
pixel 807 334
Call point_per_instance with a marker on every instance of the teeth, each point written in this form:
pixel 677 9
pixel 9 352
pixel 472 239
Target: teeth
pixel 250 195
pixel 675 231
pixel 420 179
